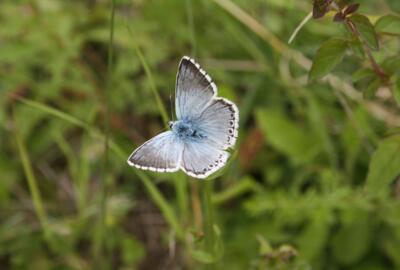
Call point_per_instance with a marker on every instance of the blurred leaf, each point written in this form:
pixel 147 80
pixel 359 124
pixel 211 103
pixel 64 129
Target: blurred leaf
pixel 352 241
pixel 328 56
pixel 357 47
pixel 364 73
pixel 288 137
pixel 388 24
pixel 132 250
pixel 373 86
pixel 313 238
pixel 391 65
pixel 203 256
pixel 265 247
pixel 244 185
pixel 366 30
pixel 394 4
pixel 384 166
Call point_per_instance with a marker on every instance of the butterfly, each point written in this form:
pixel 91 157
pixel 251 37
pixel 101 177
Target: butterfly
pixel 206 127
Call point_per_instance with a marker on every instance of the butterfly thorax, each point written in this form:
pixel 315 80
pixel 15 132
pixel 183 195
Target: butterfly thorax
pixel 184 129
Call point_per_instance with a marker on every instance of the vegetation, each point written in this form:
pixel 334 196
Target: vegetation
pixel 312 184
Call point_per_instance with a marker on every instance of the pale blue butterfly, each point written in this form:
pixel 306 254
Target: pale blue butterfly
pixel 206 127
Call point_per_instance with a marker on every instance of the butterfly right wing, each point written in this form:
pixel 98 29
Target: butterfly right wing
pixel 200 159
pixel 194 89
pixel 163 153
pixel 219 123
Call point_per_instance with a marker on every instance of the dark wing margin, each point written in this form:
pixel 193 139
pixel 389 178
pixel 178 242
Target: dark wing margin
pixel 220 123
pixel 194 89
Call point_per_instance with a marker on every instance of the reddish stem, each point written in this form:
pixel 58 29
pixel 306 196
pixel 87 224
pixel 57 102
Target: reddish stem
pixel 377 69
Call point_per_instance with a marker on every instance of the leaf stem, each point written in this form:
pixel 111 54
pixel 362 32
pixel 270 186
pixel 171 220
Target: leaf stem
pixel 377 69
pixel 99 248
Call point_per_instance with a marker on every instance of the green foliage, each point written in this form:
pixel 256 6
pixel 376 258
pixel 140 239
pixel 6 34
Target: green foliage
pixel 385 165
pixel 366 30
pixel 287 137
pixel 328 56
pixel 388 24
pixel 313 182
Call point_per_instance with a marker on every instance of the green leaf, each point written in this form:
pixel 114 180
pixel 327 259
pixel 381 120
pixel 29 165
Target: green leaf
pixel 391 65
pixel 357 48
pixel 372 88
pixel 329 55
pixel 385 165
pixel 202 256
pixel 295 141
pixel 388 24
pixel 366 30
pixel 352 241
pixel 364 73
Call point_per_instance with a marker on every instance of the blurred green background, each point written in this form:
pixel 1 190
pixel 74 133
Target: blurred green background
pixel 294 194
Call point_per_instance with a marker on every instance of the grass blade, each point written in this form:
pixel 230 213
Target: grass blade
pixel 149 75
pixel 32 184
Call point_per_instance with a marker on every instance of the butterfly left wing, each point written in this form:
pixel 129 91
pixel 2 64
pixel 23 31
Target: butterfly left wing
pixel 163 153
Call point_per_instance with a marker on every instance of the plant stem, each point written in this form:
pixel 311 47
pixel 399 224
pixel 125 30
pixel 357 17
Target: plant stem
pixel 189 12
pixel 298 28
pixel 377 69
pixel 99 244
pixel 208 218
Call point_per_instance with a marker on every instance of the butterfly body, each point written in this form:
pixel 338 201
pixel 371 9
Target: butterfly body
pixel 186 130
pixel 205 128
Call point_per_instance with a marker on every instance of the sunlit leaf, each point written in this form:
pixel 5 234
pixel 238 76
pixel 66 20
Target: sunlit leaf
pixel 202 256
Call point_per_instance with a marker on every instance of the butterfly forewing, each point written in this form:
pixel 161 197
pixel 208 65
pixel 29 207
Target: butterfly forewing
pixel 194 89
pixel 162 153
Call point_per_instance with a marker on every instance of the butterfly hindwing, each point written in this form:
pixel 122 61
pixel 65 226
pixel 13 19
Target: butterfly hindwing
pixel 200 159
pixel 162 153
pixel 219 122
pixel 194 89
